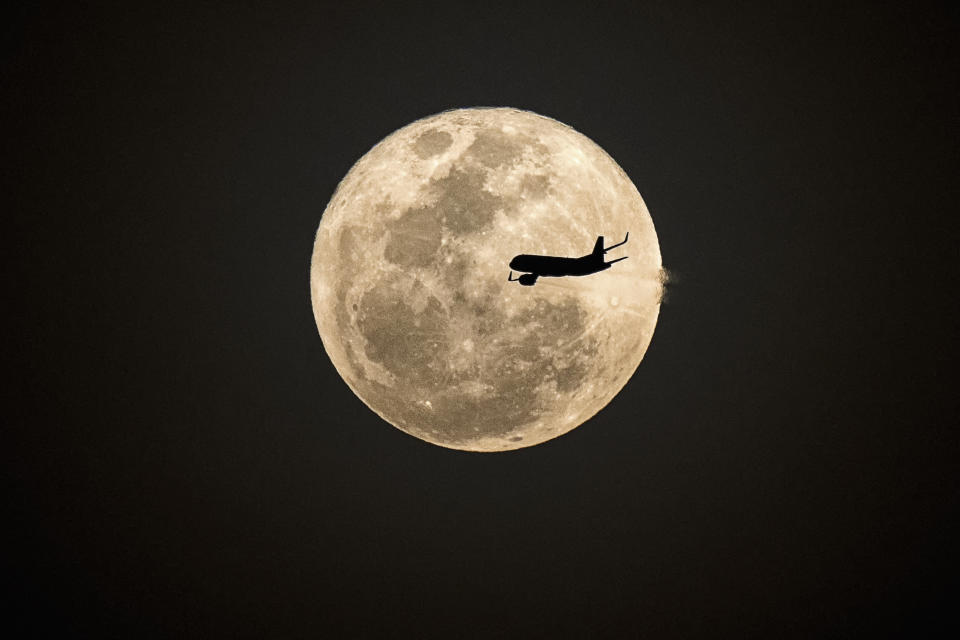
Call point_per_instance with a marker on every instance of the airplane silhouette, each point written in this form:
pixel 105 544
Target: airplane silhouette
pixel 554 267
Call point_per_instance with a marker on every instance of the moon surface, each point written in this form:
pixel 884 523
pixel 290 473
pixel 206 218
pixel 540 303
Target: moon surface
pixel 409 279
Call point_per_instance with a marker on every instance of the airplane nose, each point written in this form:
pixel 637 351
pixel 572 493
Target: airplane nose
pixel 514 263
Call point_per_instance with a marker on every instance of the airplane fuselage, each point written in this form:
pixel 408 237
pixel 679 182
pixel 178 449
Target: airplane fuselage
pixel 556 267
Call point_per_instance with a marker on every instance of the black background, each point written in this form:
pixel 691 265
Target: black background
pixel 185 460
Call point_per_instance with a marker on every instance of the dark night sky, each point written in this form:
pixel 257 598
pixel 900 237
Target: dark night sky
pixel 185 461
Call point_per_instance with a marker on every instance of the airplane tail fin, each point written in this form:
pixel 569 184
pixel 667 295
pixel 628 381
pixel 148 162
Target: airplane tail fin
pixel 598 249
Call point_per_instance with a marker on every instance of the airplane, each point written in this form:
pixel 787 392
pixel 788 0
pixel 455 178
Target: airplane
pixel 554 267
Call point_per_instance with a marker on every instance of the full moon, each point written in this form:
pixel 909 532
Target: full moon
pixel 409 279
